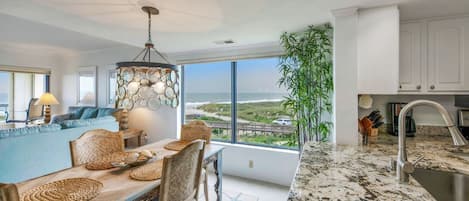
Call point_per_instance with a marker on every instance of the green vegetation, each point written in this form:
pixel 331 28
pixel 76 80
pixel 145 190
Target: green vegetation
pixel 263 112
pixel 267 140
pixel 306 70
pixel 209 119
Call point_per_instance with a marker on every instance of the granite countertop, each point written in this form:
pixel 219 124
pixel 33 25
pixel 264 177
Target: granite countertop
pixel 347 172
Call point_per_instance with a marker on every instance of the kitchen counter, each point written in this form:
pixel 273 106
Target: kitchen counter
pixel 346 172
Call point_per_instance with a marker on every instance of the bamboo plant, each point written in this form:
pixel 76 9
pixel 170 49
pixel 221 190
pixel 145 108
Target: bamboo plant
pixel 306 73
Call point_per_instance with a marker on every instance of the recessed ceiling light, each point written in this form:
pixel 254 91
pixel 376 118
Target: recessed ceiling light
pixel 224 42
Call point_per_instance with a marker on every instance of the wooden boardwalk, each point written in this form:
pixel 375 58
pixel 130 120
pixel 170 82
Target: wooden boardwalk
pixel 254 127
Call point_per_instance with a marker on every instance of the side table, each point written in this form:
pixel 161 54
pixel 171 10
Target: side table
pixel 133 133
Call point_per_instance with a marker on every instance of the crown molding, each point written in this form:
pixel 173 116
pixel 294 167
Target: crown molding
pixel 232 53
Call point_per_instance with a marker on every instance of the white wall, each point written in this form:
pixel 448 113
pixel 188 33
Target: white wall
pixel 271 165
pixel 159 124
pixel 345 77
pixel 423 115
pixel 54 61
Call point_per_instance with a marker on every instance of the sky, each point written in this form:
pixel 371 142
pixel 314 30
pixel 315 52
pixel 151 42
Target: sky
pixel 254 76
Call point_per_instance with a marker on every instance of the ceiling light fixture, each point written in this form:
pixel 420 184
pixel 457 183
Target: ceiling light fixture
pixel 142 83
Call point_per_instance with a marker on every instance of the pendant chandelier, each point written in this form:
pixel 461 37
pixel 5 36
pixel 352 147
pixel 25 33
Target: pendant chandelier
pixel 142 83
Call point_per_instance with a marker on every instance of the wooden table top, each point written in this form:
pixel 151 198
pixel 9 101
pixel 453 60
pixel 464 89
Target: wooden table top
pixel 117 183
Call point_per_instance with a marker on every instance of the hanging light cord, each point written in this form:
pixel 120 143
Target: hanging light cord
pixel 149 45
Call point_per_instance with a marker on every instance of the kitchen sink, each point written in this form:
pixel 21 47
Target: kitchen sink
pixel 444 186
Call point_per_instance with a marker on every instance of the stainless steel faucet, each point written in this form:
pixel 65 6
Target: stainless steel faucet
pixel 404 167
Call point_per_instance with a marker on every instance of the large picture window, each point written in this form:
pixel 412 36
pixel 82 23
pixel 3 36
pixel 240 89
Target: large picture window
pixel 206 86
pixel 241 101
pixel 87 86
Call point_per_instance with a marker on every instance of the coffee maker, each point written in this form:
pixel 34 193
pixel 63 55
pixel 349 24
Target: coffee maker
pixel 393 116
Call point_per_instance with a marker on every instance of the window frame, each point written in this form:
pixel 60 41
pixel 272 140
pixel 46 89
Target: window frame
pixel 109 71
pixel 234 103
pixel 93 71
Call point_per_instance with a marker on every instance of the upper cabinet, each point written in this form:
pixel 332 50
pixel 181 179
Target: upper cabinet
pixel 434 57
pixel 410 57
pixel 448 55
pixel 378 50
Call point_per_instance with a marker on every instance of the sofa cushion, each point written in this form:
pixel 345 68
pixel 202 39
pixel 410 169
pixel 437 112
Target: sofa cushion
pixel 57 119
pixel 30 130
pixel 102 112
pixel 89 113
pixel 74 123
pixel 77 113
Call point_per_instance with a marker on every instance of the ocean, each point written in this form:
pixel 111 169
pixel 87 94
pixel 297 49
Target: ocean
pixel 204 98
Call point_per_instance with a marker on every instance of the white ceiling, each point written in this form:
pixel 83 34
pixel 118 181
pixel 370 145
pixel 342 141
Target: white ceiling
pixel 26 35
pixel 187 25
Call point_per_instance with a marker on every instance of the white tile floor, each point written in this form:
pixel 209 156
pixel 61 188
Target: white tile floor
pixel 241 189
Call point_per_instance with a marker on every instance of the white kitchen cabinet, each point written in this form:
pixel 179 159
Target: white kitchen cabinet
pixel 378 50
pixel 448 55
pixel 410 57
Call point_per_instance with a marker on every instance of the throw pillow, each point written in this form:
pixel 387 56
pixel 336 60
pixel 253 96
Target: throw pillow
pixel 77 113
pixel 89 113
pixel 102 112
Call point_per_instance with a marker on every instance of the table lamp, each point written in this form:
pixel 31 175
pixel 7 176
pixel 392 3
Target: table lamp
pixel 47 99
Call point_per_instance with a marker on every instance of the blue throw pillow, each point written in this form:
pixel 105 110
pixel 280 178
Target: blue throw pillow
pixel 102 112
pixel 77 113
pixel 89 113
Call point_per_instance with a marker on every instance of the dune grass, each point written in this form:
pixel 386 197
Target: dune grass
pixel 262 112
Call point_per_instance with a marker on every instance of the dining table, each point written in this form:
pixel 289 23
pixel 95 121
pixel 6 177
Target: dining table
pixel 117 184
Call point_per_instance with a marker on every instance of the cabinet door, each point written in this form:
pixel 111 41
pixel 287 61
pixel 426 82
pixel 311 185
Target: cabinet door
pixel 410 57
pixel 448 55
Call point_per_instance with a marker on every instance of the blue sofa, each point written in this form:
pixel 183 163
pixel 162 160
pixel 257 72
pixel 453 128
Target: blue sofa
pixel 30 152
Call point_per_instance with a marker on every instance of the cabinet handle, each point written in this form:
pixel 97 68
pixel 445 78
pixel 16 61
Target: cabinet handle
pixel 432 86
pixel 400 86
pixel 419 87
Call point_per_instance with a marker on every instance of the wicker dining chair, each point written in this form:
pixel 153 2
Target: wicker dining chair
pixel 95 144
pixel 181 173
pixel 198 129
pixel 9 192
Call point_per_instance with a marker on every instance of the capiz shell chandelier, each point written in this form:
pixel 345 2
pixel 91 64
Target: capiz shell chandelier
pixel 142 83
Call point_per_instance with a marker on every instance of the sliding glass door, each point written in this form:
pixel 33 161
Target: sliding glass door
pixel 5 93
pixel 16 91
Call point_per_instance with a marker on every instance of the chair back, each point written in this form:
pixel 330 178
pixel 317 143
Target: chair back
pixel 196 129
pixel 95 144
pixel 9 192
pixel 181 173
pixel 35 112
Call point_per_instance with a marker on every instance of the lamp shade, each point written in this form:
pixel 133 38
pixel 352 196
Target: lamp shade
pixel 47 99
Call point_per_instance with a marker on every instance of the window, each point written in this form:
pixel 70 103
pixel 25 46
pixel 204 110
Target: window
pixel 207 89
pixel 87 86
pixel 112 87
pixel 251 86
pixel 17 90
pixel 5 93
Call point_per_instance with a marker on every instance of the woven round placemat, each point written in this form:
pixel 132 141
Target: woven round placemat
pixel 148 172
pixel 72 189
pixel 105 162
pixel 176 145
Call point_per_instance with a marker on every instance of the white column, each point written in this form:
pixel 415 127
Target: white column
pixel 345 111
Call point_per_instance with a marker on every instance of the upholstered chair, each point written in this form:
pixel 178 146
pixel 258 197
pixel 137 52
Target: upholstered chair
pixel 181 173
pixel 9 192
pixel 95 144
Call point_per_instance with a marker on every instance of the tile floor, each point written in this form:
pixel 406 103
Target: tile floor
pixel 241 189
